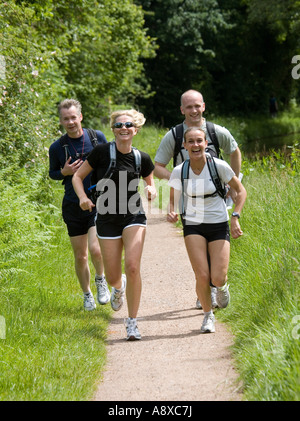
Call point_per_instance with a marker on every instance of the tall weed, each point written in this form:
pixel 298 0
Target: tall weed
pixel 264 278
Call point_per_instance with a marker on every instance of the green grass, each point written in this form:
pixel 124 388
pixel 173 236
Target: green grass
pixel 264 284
pixel 53 349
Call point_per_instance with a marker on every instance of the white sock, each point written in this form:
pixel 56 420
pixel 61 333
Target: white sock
pixel 207 313
pixel 87 293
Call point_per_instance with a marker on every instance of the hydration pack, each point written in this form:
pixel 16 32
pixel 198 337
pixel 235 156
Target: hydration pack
pixel 93 192
pixel 64 144
pixel 177 132
pixel 219 186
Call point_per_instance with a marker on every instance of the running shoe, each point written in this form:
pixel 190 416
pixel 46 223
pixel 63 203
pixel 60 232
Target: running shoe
pixel 198 304
pixel 208 324
pixel 117 295
pixel 103 294
pixel 133 333
pixel 89 302
pixel 214 303
pixel 223 296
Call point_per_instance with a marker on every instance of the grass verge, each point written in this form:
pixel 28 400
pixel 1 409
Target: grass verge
pixel 51 348
pixel 264 283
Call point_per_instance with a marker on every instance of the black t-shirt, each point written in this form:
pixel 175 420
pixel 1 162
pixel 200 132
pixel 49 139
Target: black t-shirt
pixel 120 196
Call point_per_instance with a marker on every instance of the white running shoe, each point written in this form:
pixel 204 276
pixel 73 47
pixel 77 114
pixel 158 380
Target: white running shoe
pixel 103 293
pixel 214 303
pixel 133 333
pixel 223 296
pixel 198 304
pixel 208 324
pixel 89 302
pixel 117 295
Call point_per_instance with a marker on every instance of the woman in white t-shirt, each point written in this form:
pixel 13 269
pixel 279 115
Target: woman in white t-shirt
pixel 205 221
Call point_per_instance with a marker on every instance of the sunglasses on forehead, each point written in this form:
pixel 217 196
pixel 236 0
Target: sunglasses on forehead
pixel 128 124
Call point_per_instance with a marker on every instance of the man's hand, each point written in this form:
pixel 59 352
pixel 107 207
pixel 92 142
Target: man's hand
pixel 70 169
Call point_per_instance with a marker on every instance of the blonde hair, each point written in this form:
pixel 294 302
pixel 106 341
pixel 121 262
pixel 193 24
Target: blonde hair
pixel 138 118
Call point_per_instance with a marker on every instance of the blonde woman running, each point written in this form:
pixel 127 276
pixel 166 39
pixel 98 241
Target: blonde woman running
pixel 121 220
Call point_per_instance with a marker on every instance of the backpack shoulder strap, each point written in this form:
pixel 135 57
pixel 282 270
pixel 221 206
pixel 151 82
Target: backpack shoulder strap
pixel 220 188
pixel 138 160
pixel 63 141
pixel 210 127
pixel 184 176
pixel 111 167
pixel 113 160
pixel 93 137
pixel 177 133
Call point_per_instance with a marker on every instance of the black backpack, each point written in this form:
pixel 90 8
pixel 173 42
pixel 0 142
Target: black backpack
pixel 177 132
pixel 220 188
pixel 93 192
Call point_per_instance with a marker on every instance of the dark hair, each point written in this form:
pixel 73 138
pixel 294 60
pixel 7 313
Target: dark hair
pixel 193 129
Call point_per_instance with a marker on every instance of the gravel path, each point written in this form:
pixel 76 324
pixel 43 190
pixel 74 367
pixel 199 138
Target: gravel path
pixel 173 361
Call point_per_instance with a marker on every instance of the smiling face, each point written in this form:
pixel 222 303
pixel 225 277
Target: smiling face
pixel 192 107
pixel 124 133
pixel 195 143
pixel 71 119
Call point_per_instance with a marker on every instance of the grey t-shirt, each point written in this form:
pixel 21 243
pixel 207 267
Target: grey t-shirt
pixel 165 150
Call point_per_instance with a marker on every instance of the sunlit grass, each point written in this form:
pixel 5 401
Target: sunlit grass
pixel 53 349
pixel 264 285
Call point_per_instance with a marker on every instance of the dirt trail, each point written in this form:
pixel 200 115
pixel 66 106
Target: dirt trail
pixel 173 361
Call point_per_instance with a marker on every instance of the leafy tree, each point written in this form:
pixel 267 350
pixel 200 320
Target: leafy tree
pixel 186 32
pixel 88 49
pixel 236 52
pixel 100 45
pixel 26 94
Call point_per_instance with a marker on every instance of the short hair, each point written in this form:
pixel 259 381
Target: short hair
pixel 138 118
pixel 190 91
pixel 68 103
pixel 193 129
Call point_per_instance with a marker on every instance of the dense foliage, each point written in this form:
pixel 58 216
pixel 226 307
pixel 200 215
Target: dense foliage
pixel 236 52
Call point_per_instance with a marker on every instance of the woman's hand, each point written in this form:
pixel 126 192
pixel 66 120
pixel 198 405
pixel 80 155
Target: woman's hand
pixel 150 192
pixel 86 204
pixel 172 217
pixel 235 228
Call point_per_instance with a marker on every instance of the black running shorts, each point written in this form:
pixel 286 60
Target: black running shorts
pixel 112 226
pixel 78 221
pixel 211 232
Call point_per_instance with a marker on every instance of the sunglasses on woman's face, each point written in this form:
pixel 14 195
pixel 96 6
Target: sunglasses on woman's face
pixel 128 124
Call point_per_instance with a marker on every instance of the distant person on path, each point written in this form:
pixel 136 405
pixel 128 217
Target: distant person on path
pixel 121 220
pixel 273 106
pixel 193 107
pixel 66 155
pixel 205 221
